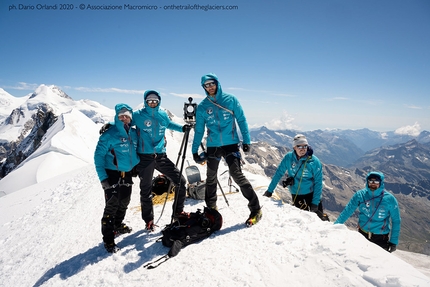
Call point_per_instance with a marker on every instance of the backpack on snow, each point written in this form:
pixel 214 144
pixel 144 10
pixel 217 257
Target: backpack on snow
pixel 196 186
pixel 187 230
pixel 161 184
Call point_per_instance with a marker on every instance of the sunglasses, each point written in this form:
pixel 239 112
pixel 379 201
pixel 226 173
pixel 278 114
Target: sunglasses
pixel 210 84
pixel 152 102
pixel 301 146
pixel 374 181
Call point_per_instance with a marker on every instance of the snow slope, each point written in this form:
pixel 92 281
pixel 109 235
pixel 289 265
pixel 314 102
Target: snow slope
pixel 50 236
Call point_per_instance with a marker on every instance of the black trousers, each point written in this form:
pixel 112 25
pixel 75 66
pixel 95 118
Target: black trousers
pixel 145 168
pixel 378 239
pixel 303 201
pixel 117 199
pixel 232 156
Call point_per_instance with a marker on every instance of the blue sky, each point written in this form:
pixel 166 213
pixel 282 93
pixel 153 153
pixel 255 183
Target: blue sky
pixel 292 64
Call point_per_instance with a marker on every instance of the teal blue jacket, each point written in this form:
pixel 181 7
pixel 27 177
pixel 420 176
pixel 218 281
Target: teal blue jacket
pixel 116 148
pixel 376 209
pixel 309 175
pixel 152 124
pixel 220 119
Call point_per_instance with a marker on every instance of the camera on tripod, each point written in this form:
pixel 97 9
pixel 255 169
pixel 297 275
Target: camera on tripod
pixel 190 111
pixel 288 181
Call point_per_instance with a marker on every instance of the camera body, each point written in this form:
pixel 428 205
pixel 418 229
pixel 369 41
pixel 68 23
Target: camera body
pixel 190 111
pixel 288 181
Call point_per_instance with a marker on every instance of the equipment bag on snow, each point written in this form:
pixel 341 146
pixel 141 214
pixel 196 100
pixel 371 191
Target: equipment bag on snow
pixel 196 186
pixel 161 184
pixel 187 230
pixel 197 190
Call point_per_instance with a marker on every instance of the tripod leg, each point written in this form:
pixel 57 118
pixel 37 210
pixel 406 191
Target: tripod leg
pixel 184 147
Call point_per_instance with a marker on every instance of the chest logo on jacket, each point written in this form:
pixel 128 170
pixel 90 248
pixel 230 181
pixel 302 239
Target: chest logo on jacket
pixel 123 140
pixel 148 123
pixel 209 111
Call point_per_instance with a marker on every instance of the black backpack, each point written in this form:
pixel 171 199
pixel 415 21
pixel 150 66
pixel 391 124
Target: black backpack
pixel 187 230
pixel 161 184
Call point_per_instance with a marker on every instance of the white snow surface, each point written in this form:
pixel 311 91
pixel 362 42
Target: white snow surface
pixel 50 232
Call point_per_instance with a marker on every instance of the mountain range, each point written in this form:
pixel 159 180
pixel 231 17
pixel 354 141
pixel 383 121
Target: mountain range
pixel 29 123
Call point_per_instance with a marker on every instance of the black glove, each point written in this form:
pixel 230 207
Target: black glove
pixel 310 151
pixel 105 184
pixel 268 194
pixel 391 247
pixel 199 158
pixel 245 147
pixel 186 128
pixel 314 208
pixel 104 128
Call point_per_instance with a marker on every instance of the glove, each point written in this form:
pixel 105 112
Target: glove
pixel 245 147
pixel 310 151
pixel 391 247
pixel 104 128
pixel 186 128
pixel 199 158
pixel 268 193
pixel 105 184
pixel 314 208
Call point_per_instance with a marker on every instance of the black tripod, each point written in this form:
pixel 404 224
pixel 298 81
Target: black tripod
pixel 183 151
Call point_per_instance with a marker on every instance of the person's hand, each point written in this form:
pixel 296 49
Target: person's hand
pixel 104 128
pixel 314 208
pixel 186 128
pixel 391 247
pixel 199 158
pixel 268 194
pixel 105 184
pixel 245 147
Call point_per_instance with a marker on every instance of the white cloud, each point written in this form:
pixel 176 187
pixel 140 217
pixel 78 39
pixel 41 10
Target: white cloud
pixel 108 90
pixel 186 96
pixel 282 123
pixel 409 130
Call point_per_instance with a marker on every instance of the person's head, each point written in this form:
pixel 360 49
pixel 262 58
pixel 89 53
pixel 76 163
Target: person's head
pixel 124 114
pixel 300 145
pixel 210 84
pixel 374 180
pixel 152 98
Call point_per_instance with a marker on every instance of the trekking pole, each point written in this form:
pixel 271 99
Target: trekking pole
pixel 217 181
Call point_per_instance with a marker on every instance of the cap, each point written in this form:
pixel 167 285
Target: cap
pixel 152 97
pixel 300 140
pixel 374 176
pixel 125 112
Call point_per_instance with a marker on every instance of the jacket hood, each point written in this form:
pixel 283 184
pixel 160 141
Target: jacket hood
pixel 211 76
pixel 376 174
pixel 119 124
pixel 145 95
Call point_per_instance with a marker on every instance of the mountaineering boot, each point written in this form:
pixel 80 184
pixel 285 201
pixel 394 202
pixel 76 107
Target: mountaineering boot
pixel 122 229
pixel 111 247
pixel 254 218
pixel 213 207
pixel 150 226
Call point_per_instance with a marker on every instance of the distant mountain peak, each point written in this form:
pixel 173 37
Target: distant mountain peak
pixel 49 90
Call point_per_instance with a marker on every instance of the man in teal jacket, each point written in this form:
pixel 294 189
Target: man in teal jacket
pixel 219 112
pixel 304 176
pixel 152 123
pixel 114 158
pixel 377 207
